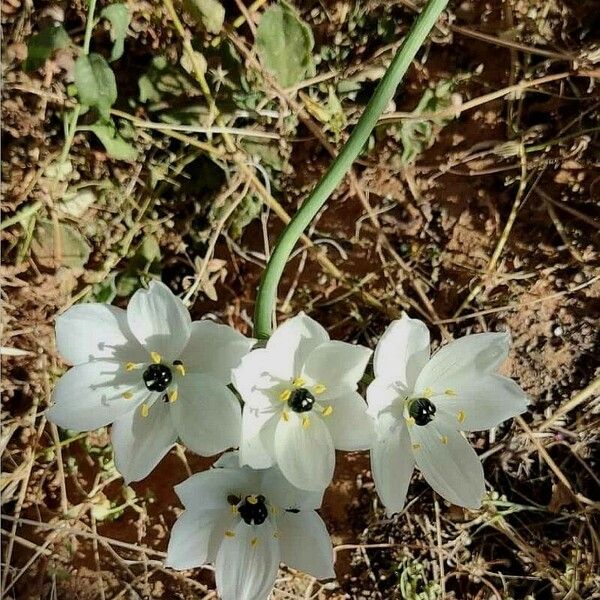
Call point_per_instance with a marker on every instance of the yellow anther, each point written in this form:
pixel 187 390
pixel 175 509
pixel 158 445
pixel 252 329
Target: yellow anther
pixel 327 410
pixel 285 395
pixel 254 542
pixel 410 421
pixel 130 366
pixel 234 509
pixel 444 439
pixel 460 417
pixel 450 392
pixel 276 535
pixel 156 358
pixel 145 410
pixel 298 382
pixel 285 416
pixel 128 395
pixel 252 499
pixel 180 369
pixel 305 422
pixel 427 392
pixel 173 395
pixel 319 388
pixel 416 446
pixel 229 533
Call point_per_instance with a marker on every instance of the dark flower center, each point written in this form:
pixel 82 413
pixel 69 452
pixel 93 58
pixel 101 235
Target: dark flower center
pixel 157 377
pixel 421 410
pixel 253 510
pixel 301 400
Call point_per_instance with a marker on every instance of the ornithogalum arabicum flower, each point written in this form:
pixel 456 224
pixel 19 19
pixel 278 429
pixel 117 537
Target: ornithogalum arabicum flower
pixel 421 405
pixel 301 402
pixel 152 373
pixel 246 522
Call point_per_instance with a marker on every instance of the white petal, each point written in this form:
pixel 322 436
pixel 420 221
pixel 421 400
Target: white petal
pixel 258 433
pixel 196 537
pixel 209 490
pixel 249 376
pixel 448 463
pixel 382 395
pixel 483 402
pixel 96 331
pixel 228 460
pixel 283 494
pixel 90 395
pixel 305 544
pixel 465 358
pixel 159 320
pixel 207 415
pixel 139 443
pixel 292 342
pixel 402 352
pixel 215 349
pixel 337 365
pixel 247 562
pixel 350 426
pixel 392 461
pixel 305 454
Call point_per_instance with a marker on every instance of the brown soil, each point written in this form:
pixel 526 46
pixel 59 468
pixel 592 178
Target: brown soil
pixel 437 224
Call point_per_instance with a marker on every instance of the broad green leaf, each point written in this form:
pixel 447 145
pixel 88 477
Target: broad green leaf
pixel 162 80
pixel 56 245
pixel 118 15
pixel 284 43
pixel 145 262
pixel 116 146
pixel 95 81
pixel 210 13
pixel 41 46
pixel 105 291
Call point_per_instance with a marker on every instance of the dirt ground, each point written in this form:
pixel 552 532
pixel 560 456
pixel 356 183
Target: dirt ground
pixel 481 216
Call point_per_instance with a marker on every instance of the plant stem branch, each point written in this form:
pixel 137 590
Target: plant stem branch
pixel 267 292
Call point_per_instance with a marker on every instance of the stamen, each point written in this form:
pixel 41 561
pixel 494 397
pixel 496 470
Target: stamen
pixel 427 392
pixel 298 382
pixel 252 499
pixel 254 542
pixel 173 395
pixel 410 421
pixel 156 358
pixel 131 366
pixel 234 509
pixel 305 422
pixel 276 535
pixel 450 392
pixel 285 416
pixel 319 388
pixel 327 410
pixel 416 446
pixel 128 395
pixel 285 395
pixel 179 367
pixel 460 417
pixel 145 410
pixel 444 439
pixel 229 533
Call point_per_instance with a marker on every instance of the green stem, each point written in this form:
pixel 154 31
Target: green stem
pixel 267 292
pixel 74 116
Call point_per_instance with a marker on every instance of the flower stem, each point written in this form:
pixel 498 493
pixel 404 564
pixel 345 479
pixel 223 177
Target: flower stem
pixel 267 291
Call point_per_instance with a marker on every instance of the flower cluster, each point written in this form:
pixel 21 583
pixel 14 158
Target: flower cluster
pixel 159 377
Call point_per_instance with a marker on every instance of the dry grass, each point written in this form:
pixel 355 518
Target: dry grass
pixel 494 226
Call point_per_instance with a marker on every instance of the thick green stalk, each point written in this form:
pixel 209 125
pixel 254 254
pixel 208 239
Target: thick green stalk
pixel 267 292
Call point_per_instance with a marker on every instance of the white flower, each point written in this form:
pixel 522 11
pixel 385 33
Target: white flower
pixel 301 402
pixel 152 372
pixel 246 522
pixel 421 404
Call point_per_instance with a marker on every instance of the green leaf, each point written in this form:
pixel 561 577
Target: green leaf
pixel 59 244
pixel 284 43
pixel 95 81
pixel 163 80
pixel 43 44
pixel 119 17
pixel 210 13
pixel 116 146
